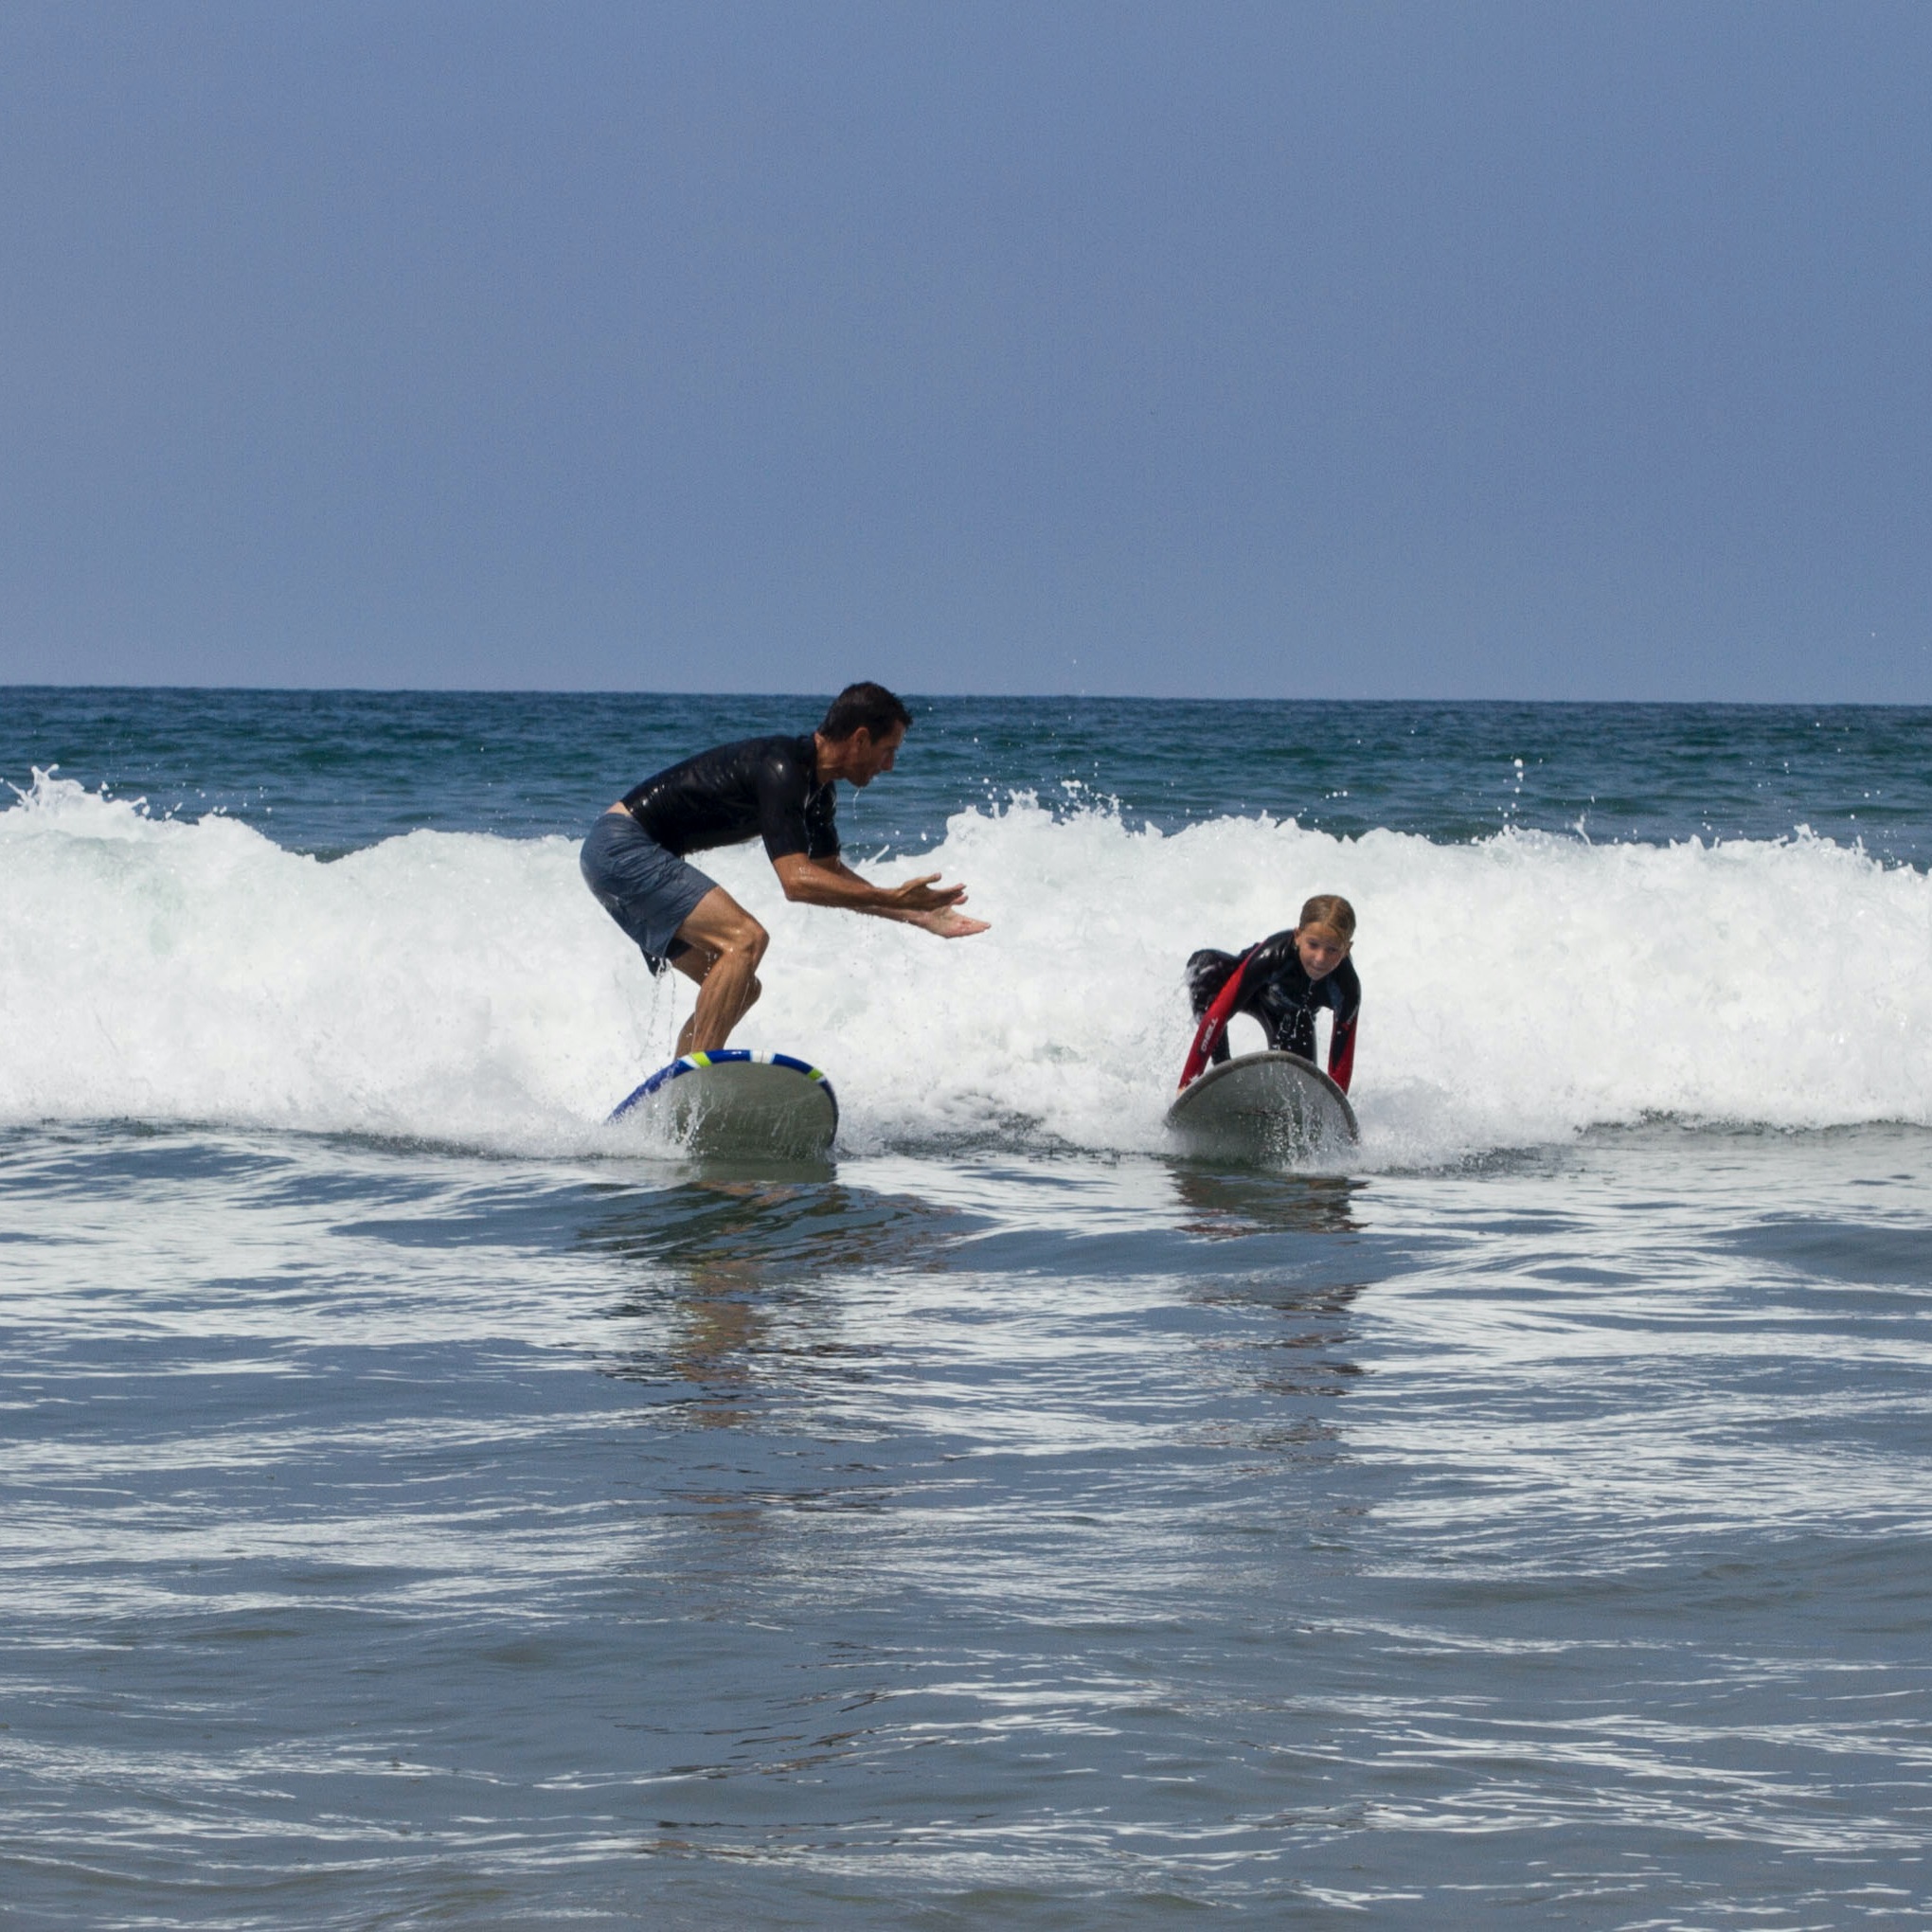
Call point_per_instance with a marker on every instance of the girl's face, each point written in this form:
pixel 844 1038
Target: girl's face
pixel 1321 951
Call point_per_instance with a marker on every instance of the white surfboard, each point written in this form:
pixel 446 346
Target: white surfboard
pixel 737 1104
pixel 1262 1106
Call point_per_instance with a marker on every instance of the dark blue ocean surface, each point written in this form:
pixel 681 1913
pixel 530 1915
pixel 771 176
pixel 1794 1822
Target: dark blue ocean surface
pixel 422 1506
pixel 330 771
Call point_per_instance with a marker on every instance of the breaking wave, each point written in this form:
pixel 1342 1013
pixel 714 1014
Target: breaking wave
pixel 464 987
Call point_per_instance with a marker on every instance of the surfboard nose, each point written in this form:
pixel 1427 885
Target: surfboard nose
pixel 1260 1107
pixel 737 1104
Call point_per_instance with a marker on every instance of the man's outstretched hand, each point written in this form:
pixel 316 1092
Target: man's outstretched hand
pixel 923 895
pixel 926 903
pixel 948 924
pixel 921 902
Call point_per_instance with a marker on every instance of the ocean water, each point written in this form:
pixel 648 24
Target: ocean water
pixel 425 1505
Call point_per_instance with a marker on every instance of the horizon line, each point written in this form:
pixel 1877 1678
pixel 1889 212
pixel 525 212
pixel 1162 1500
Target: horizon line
pixel 607 691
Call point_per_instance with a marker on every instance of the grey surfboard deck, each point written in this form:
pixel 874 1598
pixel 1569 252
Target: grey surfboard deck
pixel 738 1104
pixel 1262 1106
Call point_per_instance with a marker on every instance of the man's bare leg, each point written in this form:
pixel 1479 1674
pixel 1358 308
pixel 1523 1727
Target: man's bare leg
pixel 696 964
pixel 725 945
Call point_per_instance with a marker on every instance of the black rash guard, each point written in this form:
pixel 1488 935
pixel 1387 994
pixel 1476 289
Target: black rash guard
pixel 758 787
pixel 1277 991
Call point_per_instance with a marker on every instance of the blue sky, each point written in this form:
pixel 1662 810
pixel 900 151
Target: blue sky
pixel 1216 349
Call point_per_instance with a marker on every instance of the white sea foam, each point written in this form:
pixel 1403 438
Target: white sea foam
pixel 465 987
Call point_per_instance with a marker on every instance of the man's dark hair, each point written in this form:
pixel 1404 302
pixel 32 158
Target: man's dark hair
pixel 864 707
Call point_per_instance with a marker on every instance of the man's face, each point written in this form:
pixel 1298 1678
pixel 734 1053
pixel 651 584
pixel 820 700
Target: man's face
pixel 1321 951
pixel 867 757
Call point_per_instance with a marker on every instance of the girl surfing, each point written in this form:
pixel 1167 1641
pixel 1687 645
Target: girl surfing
pixel 1282 982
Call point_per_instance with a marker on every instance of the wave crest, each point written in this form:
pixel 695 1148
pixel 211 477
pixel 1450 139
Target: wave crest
pixel 463 986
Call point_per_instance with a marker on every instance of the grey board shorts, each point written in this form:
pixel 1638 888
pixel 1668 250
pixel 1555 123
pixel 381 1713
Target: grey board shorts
pixel 648 891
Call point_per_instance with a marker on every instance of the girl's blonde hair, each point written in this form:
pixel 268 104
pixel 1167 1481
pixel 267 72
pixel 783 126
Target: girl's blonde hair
pixel 1332 912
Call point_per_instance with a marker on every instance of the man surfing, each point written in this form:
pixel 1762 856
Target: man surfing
pixel 777 789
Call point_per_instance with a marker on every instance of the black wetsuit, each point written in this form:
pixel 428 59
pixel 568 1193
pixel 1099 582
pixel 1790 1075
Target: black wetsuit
pixel 1277 991
pixel 758 787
